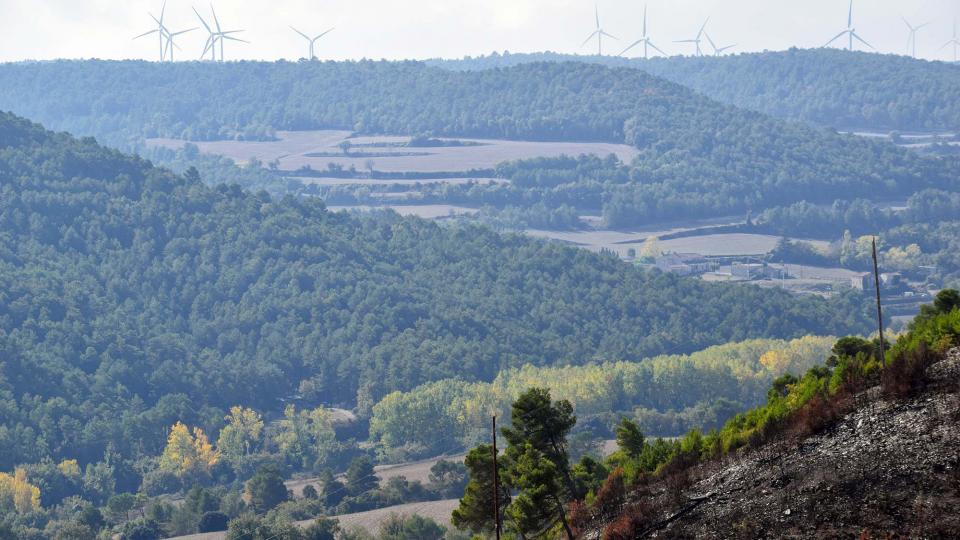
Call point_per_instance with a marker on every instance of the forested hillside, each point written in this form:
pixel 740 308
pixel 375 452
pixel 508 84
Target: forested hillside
pixel 829 87
pixel 697 157
pixel 132 298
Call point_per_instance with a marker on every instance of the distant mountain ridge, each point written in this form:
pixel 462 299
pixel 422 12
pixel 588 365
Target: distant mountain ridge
pixel 828 87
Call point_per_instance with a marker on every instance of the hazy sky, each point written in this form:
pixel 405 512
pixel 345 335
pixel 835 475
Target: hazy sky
pixel 45 29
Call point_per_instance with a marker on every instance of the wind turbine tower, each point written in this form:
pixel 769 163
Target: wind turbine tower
pixel 697 40
pixel 311 40
pixel 955 42
pixel 598 33
pixel 644 39
pixel 912 38
pixel 850 32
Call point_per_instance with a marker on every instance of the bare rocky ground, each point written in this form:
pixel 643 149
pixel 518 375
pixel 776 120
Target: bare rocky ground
pixel 890 469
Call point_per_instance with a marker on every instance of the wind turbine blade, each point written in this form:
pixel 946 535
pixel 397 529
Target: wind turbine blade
pixel 861 40
pixel 686 41
pixel 906 22
pixel 215 20
pixel 596 12
pixel 589 38
pixel 203 22
pixel 155 31
pixel 645 20
pixel 231 32
pixel 323 34
pixel 728 47
pixel 836 37
pixel 921 26
pixel 654 47
pixel 162 11
pixel 603 32
pixel 702 28
pixel 183 32
pixel 231 38
pixel 628 49
pixel 710 40
pixel 301 33
pixel 850 16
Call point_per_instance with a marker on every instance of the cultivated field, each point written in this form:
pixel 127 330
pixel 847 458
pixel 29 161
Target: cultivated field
pixel 439 511
pixel 412 471
pixel 617 239
pixel 713 245
pixel 427 211
pixel 377 182
pixel 293 146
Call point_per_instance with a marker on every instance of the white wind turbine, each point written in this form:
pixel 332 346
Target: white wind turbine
pixel 955 41
pixel 311 40
pixel 598 33
pixel 717 51
pixel 644 39
pixel 219 36
pixel 211 42
pixel 850 32
pixel 912 38
pixel 161 30
pixel 697 40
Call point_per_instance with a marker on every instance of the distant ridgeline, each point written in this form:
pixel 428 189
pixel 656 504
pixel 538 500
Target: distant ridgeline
pixel 697 157
pixel 829 87
pixel 132 298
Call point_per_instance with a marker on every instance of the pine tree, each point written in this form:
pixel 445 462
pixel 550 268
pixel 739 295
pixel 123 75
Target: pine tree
pixel 539 503
pixel 629 438
pixel 544 424
pixel 475 512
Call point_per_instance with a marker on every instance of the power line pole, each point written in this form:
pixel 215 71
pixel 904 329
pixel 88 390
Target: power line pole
pixel 876 281
pixel 496 482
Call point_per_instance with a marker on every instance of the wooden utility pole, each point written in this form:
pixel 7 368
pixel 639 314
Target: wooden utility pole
pixel 496 482
pixel 876 281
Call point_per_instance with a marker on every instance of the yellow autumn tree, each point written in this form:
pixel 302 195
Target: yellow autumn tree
pixel 17 494
pixel 190 457
pixel 241 434
pixel 69 468
pixel 776 361
pixel 650 249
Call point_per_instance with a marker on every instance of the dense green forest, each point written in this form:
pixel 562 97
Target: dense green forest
pixel 697 157
pixel 829 87
pixel 133 298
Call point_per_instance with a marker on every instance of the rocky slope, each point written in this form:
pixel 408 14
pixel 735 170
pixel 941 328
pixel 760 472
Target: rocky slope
pixel 891 468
